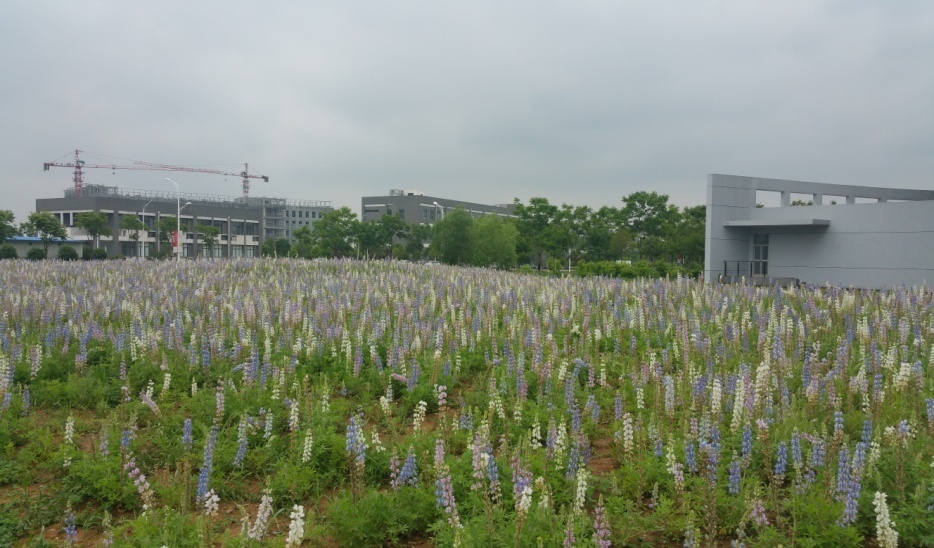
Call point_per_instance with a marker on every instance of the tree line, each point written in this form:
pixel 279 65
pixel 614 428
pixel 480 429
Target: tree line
pixel 647 231
pixel 541 235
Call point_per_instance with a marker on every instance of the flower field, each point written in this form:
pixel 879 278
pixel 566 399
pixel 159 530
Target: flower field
pixel 344 403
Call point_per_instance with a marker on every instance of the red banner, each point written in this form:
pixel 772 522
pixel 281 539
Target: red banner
pixel 174 238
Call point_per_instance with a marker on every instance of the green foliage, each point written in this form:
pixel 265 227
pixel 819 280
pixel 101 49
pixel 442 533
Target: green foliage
pixel 452 240
pixel 46 226
pixel 67 253
pixel 335 233
pixel 494 242
pixel 98 254
pixel 7 251
pixel 95 224
pixel 7 228
pixel 382 517
pixel 35 254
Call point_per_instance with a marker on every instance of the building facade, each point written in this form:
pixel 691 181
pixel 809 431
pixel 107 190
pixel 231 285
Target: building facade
pixel 238 223
pixel 842 235
pixel 416 208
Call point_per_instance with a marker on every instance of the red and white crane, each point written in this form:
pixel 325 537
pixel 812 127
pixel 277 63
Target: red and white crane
pixel 80 165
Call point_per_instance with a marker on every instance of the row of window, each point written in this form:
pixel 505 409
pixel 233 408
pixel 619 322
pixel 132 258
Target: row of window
pixel 313 214
pixel 148 249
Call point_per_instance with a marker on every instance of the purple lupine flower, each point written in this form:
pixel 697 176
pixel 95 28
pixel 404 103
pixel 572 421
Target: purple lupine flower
pixel 659 448
pixel 930 409
pixel 187 437
pixel 618 406
pixel 356 443
pixel 746 445
pixel 734 475
pixel 690 457
pixel 569 539
pixel 817 454
pixel 796 450
pixel 409 473
pixel 843 470
pixel 601 531
pixel 25 395
pixel 838 423
pixel 204 475
pixel 781 460
pixel 757 513
pixel 71 531
pixel 867 431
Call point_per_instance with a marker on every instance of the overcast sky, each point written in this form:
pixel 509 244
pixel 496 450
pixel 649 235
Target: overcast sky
pixel 581 102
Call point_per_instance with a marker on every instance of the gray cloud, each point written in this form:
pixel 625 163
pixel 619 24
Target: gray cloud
pixel 580 102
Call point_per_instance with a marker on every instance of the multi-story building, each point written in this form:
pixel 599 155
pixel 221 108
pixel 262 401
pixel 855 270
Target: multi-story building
pixel 416 208
pixel 243 224
pixel 281 217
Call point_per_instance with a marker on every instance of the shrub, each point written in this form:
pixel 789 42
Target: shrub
pixel 98 254
pixel 7 251
pixel 35 254
pixel 67 253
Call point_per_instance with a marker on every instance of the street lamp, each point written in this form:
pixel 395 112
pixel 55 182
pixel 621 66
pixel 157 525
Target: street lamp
pixel 441 209
pixel 178 221
pixel 139 251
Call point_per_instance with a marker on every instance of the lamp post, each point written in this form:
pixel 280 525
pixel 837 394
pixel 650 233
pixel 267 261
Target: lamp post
pixel 140 250
pixel 441 209
pixel 178 220
pixel 179 223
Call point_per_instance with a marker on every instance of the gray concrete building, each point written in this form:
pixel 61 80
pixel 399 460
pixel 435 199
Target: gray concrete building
pixel 239 223
pixel 416 208
pixel 857 236
pixel 281 216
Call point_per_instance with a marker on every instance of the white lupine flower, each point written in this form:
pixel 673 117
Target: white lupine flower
pixel 296 526
pixel 886 534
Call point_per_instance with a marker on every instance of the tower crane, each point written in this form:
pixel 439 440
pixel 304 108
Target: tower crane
pixel 79 165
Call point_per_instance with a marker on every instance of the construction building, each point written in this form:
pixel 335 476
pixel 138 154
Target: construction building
pixel 243 223
pixel 416 208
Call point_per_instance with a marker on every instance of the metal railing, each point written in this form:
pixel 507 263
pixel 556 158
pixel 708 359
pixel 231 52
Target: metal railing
pixel 737 268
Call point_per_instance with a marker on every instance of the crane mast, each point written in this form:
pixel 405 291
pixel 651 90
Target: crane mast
pixel 79 165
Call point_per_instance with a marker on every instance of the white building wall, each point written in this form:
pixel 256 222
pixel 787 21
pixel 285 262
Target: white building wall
pixel 864 245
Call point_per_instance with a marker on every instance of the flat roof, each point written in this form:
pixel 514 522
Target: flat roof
pixel 777 223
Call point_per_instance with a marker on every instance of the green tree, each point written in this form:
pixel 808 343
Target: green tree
pixel 209 235
pixel 166 228
pixel 494 242
pixel 275 247
pixel 452 241
pixel 95 224
pixel 536 230
pixel 47 227
pixel 132 224
pixel 648 215
pixel 304 246
pixel 336 232
pixel 7 251
pixel 7 228
pixel 391 229
pixel 686 240
pixel 415 240
pixel 67 253
pixel 368 239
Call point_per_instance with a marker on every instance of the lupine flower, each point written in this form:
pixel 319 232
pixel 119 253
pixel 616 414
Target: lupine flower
pixel 187 437
pixel 735 468
pixel 258 530
pixel 885 527
pixel 296 526
pixel 71 531
pixel 204 475
pixel 781 461
pixel 601 531
pixel 757 513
